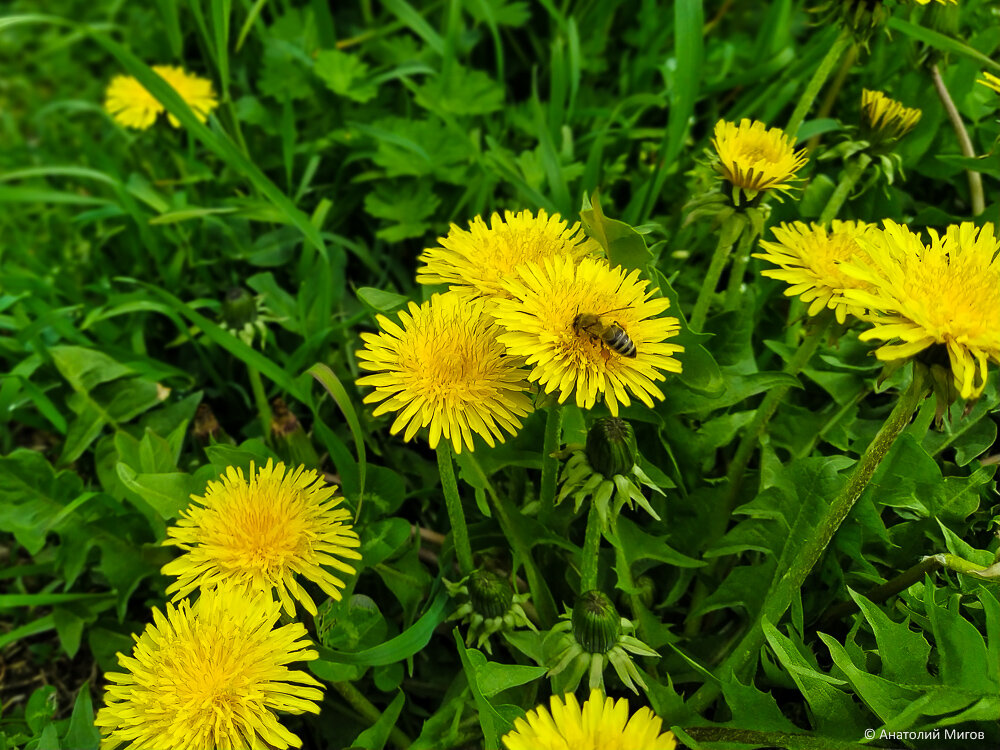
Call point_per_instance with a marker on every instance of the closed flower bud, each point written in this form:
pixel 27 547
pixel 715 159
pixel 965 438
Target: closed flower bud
pixel 597 626
pixel 611 446
pixel 491 594
pixel 239 309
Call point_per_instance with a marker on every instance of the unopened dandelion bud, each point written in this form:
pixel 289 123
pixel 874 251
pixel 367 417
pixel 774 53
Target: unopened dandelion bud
pixel 611 447
pixel 597 626
pixel 290 438
pixel 491 594
pixel 239 309
pixel 647 590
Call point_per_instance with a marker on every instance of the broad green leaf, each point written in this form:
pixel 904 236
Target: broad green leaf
pixel 902 650
pixel 833 711
pixel 623 245
pixel 403 646
pixel 375 737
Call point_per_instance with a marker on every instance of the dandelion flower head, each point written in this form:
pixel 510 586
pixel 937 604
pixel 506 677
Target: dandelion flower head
pixel 946 292
pixel 539 321
pixel 885 120
pixel 810 258
pixel 210 675
pixel 442 367
pixel 133 106
pixel 601 724
pixel 476 261
pixel 263 532
pixel 754 158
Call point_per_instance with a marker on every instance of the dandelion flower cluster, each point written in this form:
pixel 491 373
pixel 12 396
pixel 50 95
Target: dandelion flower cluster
pixel 540 316
pixel 476 261
pixel 810 258
pixel 885 121
pixel 210 675
pixel 132 106
pixel 943 293
pixel 754 158
pixel 259 534
pixel 443 367
pixel 600 724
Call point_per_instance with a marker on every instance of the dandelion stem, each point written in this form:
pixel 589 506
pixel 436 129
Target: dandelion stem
pixel 260 398
pixel 789 579
pixel 369 712
pixel 513 529
pixel 851 174
pixel 591 550
pixel 550 463
pixel 735 286
pixel 730 231
pixel 767 408
pixel 976 198
pixel 459 531
pixel 736 472
pixel 816 82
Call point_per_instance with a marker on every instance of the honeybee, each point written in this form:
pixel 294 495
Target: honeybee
pixel 612 335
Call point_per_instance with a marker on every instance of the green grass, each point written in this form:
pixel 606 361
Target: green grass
pixel 348 138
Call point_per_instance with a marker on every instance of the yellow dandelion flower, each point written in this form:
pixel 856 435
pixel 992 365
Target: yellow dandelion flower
pixel 754 158
pixel 944 293
pixel 884 120
pixel 601 724
pixel 810 257
pixel 259 534
pixel 939 2
pixel 132 106
pixel 476 261
pixel 443 367
pixel 991 81
pixel 562 314
pixel 210 675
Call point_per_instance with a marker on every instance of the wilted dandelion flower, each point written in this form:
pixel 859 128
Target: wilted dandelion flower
pixel 260 534
pixel 754 158
pixel 566 357
pixel 210 675
pixel 946 293
pixel 991 81
pixel 811 256
pixel 133 106
pixel 885 121
pixel 476 261
pixel 601 724
pixel 443 367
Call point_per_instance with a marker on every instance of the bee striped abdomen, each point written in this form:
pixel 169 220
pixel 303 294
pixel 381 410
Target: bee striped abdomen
pixel 616 339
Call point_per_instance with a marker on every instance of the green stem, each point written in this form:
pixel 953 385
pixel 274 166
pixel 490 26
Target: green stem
pixel 260 398
pixel 735 474
pixel 766 409
pixel 591 550
pixel 545 605
pixel 627 583
pixel 550 463
pixel 787 583
pixel 976 198
pixel 459 531
pixel 368 711
pixel 852 173
pixel 816 82
pixel 735 288
pixel 730 231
